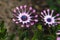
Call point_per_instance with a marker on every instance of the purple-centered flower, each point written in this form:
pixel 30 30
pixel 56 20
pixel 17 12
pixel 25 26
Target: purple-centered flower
pixel 58 38
pixel 48 18
pixel 25 16
pixel 58 35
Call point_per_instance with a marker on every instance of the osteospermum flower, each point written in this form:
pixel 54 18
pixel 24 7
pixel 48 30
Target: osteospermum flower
pixel 58 35
pixel 25 16
pixel 48 18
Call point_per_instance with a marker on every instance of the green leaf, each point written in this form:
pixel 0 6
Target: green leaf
pixel 3 30
pixel 58 1
pixel 58 27
pixel 49 37
pixel 50 2
pixel 2 24
pixel 37 35
pixel 53 7
pixel 39 27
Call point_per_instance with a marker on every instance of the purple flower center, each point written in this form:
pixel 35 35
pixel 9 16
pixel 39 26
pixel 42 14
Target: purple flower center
pixel 49 19
pixel 24 18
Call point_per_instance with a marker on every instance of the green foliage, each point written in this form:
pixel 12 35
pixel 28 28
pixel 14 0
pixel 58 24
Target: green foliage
pixel 37 35
pixel 50 37
pixel 58 27
pixel 58 1
pixel 54 4
pixel 39 27
pixel 2 31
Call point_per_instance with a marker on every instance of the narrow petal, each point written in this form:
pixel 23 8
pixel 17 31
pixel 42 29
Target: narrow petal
pixel 27 25
pixel 32 23
pixel 25 7
pixel 17 8
pixel 45 12
pixel 52 12
pixel 41 16
pixel 36 20
pixel 57 18
pixel 22 25
pixel 36 16
pixel 58 15
pixel 34 11
pixel 30 8
pixel 48 11
pixel 14 11
pixel 13 19
pixel 21 7
pixel 42 13
pixel 58 32
pixel 17 22
pixel 58 22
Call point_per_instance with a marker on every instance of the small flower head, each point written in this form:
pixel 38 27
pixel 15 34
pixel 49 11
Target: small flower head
pixel 48 18
pixel 58 35
pixel 25 16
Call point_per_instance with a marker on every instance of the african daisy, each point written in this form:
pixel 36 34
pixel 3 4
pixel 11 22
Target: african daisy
pixel 25 16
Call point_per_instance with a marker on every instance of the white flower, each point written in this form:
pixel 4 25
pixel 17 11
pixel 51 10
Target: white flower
pixel 48 18
pixel 25 15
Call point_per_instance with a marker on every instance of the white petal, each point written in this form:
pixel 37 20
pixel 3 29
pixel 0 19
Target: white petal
pixel 41 16
pixel 57 14
pixel 27 25
pixel 17 8
pixel 22 25
pixel 30 8
pixel 17 22
pixel 21 7
pixel 36 16
pixel 48 11
pixel 42 13
pixel 57 18
pixel 25 6
pixel 45 12
pixel 14 10
pixel 32 23
pixel 13 19
pixel 36 20
pixel 34 11
pixel 52 12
